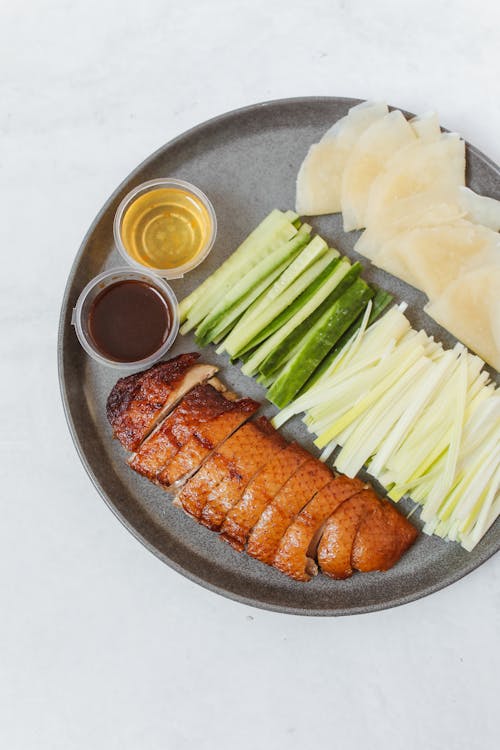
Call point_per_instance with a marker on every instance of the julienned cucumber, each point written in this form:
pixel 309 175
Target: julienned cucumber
pixel 233 316
pixel 284 304
pixel 313 251
pixel 281 353
pixel 266 382
pixel 318 341
pixel 243 291
pixel 272 232
pixel 379 302
pixel 274 222
pixel 295 307
pixel 249 328
pixel 293 316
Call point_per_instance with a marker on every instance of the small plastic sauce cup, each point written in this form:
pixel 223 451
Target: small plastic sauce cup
pixel 167 226
pixel 95 289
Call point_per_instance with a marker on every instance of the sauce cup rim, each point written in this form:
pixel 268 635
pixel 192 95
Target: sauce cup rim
pixel 176 272
pixel 113 275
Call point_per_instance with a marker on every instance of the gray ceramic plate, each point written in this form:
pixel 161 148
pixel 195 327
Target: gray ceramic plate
pixel 246 161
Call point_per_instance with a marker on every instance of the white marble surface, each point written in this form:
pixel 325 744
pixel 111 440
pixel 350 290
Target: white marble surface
pixel 102 646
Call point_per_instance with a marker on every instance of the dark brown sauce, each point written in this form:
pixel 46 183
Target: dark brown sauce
pixel 129 320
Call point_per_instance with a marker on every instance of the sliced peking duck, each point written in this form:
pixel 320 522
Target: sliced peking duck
pixel 222 479
pixel 259 492
pixel 265 538
pixel 239 476
pixel 295 555
pixel 138 402
pixel 200 405
pixel 206 438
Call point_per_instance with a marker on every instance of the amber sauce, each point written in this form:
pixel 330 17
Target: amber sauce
pixel 128 321
pixel 165 228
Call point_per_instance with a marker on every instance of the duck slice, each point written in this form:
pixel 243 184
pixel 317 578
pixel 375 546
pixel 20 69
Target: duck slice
pixel 245 454
pixel 335 548
pixel 219 464
pixel 138 402
pixel 259 492
pixel 295 556
pixel 206 438
pixel 200 405
pixel 266 536
pixel 229 460
pixel 383 536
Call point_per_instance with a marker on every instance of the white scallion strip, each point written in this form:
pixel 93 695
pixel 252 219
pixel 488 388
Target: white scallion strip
pixel 426 388
pixel 424 420
pixel 443 485
pixel 390 371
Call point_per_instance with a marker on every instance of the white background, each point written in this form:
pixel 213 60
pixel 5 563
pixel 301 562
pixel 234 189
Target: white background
pixel 101 645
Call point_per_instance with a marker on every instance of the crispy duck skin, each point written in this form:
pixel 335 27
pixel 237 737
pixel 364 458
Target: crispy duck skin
pixel 335 547
pixel 200 405
pixel 259 492
pixel 292 555
pixel 227 462
pixel 266 536
pixel 249 453
pixel 205 439
pixel 383 536
pixel 138 402
pixel 188 432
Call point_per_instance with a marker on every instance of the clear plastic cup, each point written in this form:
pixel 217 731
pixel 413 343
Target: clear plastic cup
pixel 173 272
pixel 80 315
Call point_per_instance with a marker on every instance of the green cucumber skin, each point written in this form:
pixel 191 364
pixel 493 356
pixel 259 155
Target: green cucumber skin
pixel 380 301
pixel 305 347
pixel 274 360
pixel 319 341
pixel 243 357
pixel 269 225
pixel 288 251
pixel 267 310
pixel 273 231
pixel 290 311
pixel 262 380
pixel 228 321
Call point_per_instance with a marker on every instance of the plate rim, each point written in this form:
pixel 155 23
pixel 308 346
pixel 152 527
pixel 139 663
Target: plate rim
pixel 398 601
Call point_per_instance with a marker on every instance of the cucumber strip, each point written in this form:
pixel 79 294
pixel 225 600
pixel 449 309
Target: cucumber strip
pixel 290 311
pixel 281 353
pixel 222 348
pixel 267 226
pixel 272 232
pixel 272 223
pixel 247 330
pixel 234 316
pixel 298 311
pixel 379 302
pixel 221 336
pixel 319 340
pixel 244 357
pixel 316 248
pixel 265 381
pixel 243 292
